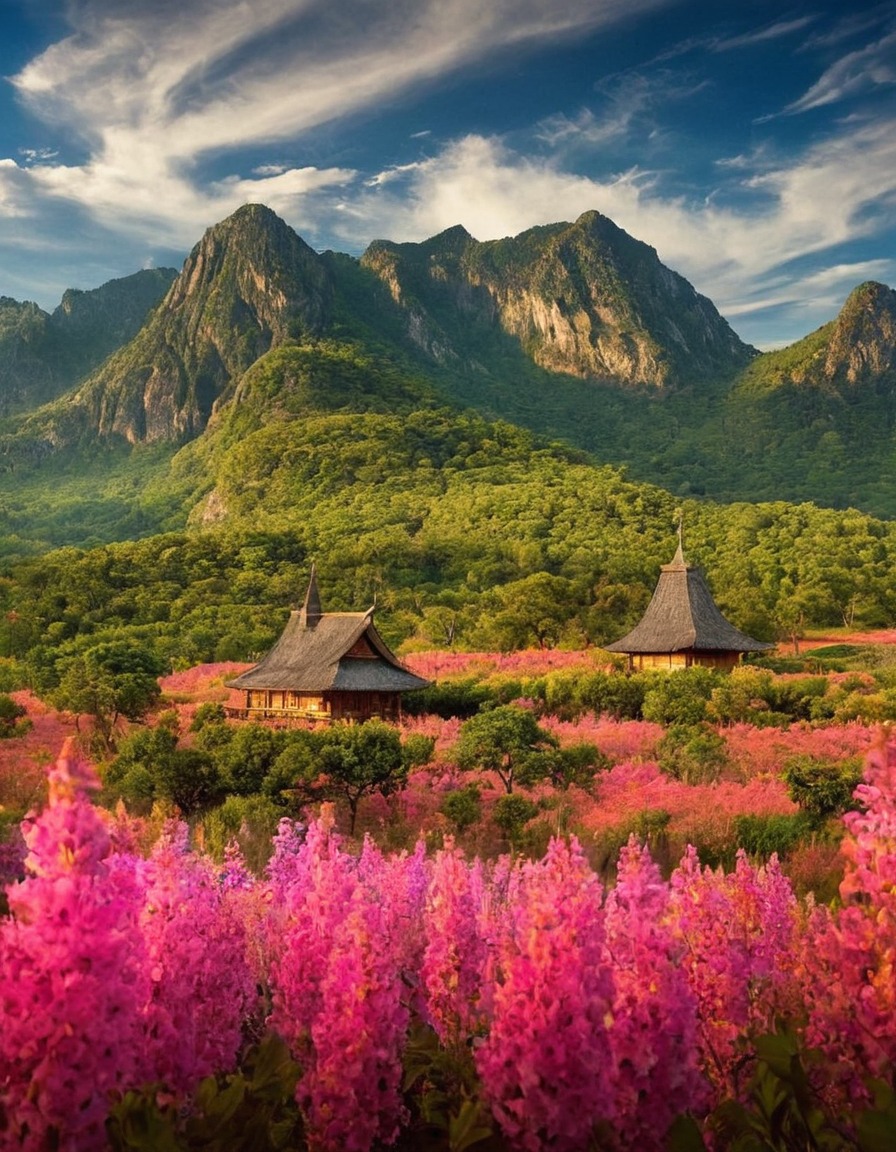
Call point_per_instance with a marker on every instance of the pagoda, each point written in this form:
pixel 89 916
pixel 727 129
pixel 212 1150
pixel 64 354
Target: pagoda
pixel 326 666
pixel 683 627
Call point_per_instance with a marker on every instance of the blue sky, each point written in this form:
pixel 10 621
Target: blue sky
pixel 752 143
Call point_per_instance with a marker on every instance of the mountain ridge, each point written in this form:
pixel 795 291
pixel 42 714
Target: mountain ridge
pixel 575 331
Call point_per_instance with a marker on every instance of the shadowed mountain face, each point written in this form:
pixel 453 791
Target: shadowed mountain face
pixel 249 284
pixel 43 355
pixel 584 299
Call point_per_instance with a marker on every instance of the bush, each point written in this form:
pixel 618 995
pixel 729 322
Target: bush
pixel 208 713
pixel 463 807
pixel 13 718
pixel 679 697
pixel 764 835
pixel 648 826
pixel 822 788
pixel 694 755
pixel 248 821
pixel 576 764
pixel 190 779
pixel 449 698
pixel 512 812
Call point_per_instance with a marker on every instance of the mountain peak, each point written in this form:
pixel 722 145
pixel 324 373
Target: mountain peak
pixel 249 285
pixel 863 337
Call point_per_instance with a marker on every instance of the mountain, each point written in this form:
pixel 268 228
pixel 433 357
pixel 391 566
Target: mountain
pixel 440 423
pixel 44 354
pixel 574 331
pixel 250 284
pixel 585 299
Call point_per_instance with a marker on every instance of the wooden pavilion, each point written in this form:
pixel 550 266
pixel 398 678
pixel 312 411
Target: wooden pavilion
pixel 326 666
pixel 683 627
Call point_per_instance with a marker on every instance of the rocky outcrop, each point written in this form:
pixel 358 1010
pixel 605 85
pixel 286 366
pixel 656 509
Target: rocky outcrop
pixel 584 299
pixel 862 344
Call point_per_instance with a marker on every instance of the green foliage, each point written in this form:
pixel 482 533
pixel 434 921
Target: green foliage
pixel 679 698
pixel 506 740
pixel 251 1110
pixel 208 713
pixel 822 788
pixel 463 807
pixel 294 770
pixel 250 822
pixel 107 681
pixel 442 1091
pixel 512 812
pixel 356 760
pixel 761 836
pixel 13 718
pixel 247 757
pixel 649 826
pixel 695 754
pixel 784 1112
pixel 576 764
pixel 450 698
pixel 417 749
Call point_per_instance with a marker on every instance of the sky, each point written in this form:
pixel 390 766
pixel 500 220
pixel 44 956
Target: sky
pixel 751 143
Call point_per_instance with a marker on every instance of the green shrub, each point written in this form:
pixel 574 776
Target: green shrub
pixel 208 713
pixel 449 698
pixel 763 836
pixel 512 813
pixel 694 754
pixel 248 821
pixel 13 718
pixel 463 807
pixel 822 788
pixel 679 698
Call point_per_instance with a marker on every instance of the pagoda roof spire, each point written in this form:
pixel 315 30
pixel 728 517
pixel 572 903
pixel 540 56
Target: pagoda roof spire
pixel 311 609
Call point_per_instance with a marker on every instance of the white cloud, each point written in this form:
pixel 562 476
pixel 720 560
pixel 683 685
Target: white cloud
pixel 873 66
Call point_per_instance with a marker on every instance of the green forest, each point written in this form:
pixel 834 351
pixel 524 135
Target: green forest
pixel 467 532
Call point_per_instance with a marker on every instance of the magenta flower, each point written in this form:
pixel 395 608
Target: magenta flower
pixel 545 1067
pixel 72 975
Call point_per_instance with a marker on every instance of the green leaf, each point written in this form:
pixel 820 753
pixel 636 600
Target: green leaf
pixel 468 1127
pixel 685 1135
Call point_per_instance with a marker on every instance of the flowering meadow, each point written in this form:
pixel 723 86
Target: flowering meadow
pixel 429 1000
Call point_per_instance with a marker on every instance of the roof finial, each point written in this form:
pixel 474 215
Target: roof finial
pixel 311 609
pixel 679 552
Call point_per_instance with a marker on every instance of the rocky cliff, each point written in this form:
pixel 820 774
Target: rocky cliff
pixel 585 299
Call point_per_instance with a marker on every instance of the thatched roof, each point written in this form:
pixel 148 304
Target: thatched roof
pixel 683 616
pixel 319 651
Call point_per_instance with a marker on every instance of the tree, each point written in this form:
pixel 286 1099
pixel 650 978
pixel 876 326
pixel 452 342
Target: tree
pixel 359 759
pixel 463 807
pixel 506 740
pixel 246 759
pixel 576 764
pixel 109 681
pixel 512 813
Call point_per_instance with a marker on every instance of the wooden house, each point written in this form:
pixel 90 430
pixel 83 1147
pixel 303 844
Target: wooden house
pixel 683 627
pixel 326 666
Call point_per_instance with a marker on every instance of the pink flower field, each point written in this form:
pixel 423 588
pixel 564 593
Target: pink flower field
pixel 535 1005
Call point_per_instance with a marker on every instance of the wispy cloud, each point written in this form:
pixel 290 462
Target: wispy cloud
pixel 159 118
pixel 150 90
pixel 873 66
pixel 761 35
